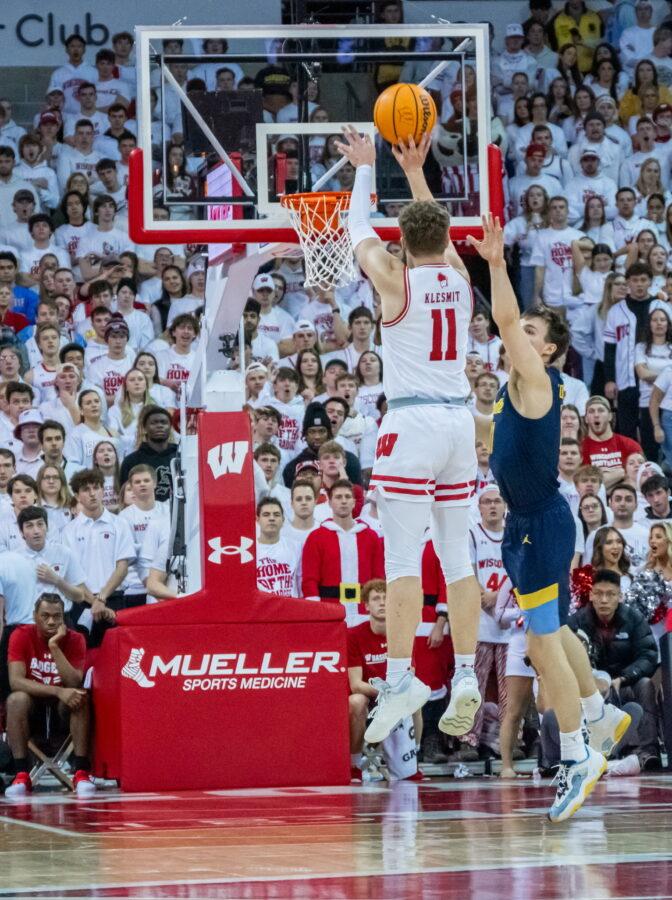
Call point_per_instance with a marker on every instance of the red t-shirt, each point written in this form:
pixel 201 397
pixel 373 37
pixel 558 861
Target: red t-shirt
pixel 608 454
pixel 15 321
pixel 367 650
pixel 27 646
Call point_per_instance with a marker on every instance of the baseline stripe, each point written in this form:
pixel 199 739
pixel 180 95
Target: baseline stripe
pixel 451 487
pixel 449 497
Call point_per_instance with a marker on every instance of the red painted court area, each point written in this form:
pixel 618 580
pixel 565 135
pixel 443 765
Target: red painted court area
pixel 480 838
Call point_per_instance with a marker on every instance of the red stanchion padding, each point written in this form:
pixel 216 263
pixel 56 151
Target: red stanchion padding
pixel 228 687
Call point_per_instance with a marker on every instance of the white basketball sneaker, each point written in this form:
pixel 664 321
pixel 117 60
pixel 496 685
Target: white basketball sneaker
pixel 465 700
pixel 394 704
pixel 607 732
pixel 576 782
pixel 629 765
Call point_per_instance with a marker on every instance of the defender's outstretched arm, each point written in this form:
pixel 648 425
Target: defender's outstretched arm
pixel 524 359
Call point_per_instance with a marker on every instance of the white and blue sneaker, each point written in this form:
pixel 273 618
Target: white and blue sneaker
pixel 394 704
pixel 575 783
pixel 465 700
pixel 605 733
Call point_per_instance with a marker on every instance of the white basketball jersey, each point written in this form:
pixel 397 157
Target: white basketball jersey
pixel 486 557
pixel 425 347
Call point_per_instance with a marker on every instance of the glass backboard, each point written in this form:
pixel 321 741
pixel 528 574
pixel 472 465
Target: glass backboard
pixel 231 117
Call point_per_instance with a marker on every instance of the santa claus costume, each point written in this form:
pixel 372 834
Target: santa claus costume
pixel 336 563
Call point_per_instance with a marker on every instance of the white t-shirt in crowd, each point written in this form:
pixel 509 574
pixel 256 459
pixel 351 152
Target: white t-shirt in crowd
pixel 277 568
pixel 109 373
pixel 175 367
pixel 657 360
pixel 81 442
pixel 139 521
pixel 576 392
pixel 263 347
pixel 68 78
pixel 71 238
pixel 664 383
pixel 552 249
pixel 488 351
pixel 182 305
pixel 592 285
pixel 276 325
pixel 98 120
pixel 106 243
pixel 29 261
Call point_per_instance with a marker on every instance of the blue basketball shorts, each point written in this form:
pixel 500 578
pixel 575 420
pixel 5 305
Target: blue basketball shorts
pixel 537 552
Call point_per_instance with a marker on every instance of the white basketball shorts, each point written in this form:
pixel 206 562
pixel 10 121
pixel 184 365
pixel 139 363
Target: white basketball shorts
pixel 426 453
pixel 515 656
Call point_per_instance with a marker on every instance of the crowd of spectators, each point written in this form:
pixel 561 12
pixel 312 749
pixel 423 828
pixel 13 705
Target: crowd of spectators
pixel 98 335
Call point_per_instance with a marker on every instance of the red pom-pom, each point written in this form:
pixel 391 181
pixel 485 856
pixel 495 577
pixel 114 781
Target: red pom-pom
pixel 581 584
pixel 659 613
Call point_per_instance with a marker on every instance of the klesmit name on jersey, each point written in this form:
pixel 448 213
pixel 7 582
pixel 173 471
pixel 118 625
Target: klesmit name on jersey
pixel 442 296
pixel 287 671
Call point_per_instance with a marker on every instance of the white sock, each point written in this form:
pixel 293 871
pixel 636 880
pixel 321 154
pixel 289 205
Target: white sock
pixel 356 760
pixel 465 660
pixel 593 706
pixel 572 746
pixel 396 669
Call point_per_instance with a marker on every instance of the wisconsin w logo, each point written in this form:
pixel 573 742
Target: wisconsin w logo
pixel 385 445
pixel 226 458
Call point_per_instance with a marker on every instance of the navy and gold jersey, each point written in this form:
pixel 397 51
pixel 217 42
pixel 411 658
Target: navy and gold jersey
pixel 524 453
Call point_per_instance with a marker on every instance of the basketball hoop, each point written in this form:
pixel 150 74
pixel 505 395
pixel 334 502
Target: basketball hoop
pixel 320 221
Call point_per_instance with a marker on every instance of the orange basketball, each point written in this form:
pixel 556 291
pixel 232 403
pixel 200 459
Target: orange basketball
pixel 403 111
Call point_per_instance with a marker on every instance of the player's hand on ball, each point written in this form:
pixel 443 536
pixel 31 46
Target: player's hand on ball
pixel 359 149
pixel 412 156
pixel 491 248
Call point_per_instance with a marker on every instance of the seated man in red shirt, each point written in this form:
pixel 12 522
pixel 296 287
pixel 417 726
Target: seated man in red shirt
pixel 46 670
pixel 602 447
pixel 367 658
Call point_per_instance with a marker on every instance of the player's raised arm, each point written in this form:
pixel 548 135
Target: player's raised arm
pixel 527 363
pixel 369 250
pixel 411 158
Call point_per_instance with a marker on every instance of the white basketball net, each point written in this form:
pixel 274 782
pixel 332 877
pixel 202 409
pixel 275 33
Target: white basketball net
pixel 320 220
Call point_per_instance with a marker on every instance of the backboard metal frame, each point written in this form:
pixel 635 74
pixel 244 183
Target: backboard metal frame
pixel 265 205
pixel 145 229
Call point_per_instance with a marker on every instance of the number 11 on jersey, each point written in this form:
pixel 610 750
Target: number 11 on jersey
pixel 444 335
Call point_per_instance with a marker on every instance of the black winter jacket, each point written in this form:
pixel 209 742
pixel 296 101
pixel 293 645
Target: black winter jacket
pixel 625 648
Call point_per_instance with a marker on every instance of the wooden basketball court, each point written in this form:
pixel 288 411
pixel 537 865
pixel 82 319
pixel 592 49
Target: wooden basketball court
pixel 445 838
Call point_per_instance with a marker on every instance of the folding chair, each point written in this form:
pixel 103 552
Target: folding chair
pixel 52 764
pixel 51 752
